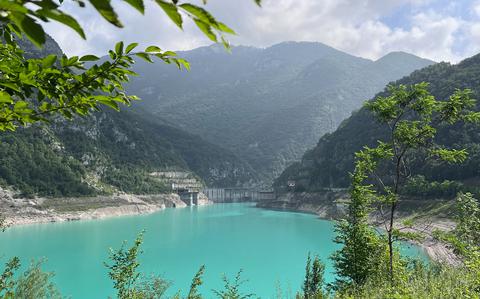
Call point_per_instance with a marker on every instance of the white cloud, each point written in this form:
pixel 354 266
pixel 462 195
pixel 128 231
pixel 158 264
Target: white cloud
pixel 476 7
pixel 354 26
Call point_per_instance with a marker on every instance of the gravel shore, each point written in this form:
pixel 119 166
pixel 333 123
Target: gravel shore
pixel 20 211
pixel 425 216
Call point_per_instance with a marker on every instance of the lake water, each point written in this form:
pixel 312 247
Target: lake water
pixel 270 246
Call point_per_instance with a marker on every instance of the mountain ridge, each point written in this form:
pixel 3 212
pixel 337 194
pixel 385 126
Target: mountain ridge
pixel 267 105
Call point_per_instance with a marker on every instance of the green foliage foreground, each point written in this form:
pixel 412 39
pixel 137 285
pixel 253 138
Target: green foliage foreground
pixel 369 264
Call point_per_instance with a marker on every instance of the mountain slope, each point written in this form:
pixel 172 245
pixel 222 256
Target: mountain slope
pixel 108 151
pixel 328 164
pixel 266 105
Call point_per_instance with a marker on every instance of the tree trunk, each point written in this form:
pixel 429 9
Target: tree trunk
pixel 390 240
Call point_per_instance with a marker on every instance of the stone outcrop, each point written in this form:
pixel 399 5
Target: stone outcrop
pixel 18 211
pixel 327 204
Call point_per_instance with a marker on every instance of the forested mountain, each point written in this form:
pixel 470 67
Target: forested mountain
pixel 329 163
pixel 108 151
pixel 266 105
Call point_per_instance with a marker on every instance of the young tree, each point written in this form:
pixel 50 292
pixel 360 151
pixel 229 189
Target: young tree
pixel 232 290
pixel 129 283
pixel 361 253
pixel 465 238
pixel 196 283
pixel 35 283
pixel 123 269
pixel 314 279
pixel 467 218
pixel 467 234
pixel 308 276
pixel 7 283
pixel 411 115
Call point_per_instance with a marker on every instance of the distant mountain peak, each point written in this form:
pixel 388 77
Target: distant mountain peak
pixel 398 55
pixel 267 105
pixel 219 49
pixel 332 159
pixel 301 44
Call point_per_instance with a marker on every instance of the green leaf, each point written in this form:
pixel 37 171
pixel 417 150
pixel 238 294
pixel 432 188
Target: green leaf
pixel 206 29
pixel 169 53
pixel 26 79
pixel 48 61
pixel 107 12
pixel 153 49
pixel 7 5
pixel 137 4
pixel 20 106
pixel 71 61
pixel 5 98
pixel 119 48
pixel 199 13
pixel 185 63
pixel 144 56
pixel 30 27
pixel 131 47
pixel 110 103
pixel 63 18
pixel 224 28
pixel 89 58
pixel 172 12
pixel 14 28
pixel 11 86
pixel 226 44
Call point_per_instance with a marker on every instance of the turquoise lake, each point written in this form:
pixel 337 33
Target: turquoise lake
pixel 270 246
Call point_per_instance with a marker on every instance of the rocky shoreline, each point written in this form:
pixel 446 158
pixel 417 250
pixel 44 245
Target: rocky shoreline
pixel 326 205
pixel 330 205
pixel 21 211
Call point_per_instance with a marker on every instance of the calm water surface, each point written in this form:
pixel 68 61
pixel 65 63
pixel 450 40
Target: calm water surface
pixel 270 246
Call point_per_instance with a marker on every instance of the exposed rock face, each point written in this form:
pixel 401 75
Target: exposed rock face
pixel 327 205
pixel 41 210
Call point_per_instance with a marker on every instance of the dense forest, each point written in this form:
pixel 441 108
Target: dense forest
pixel 330 162
pixel 109 151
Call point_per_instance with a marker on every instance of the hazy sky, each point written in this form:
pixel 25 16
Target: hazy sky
pixel 435 29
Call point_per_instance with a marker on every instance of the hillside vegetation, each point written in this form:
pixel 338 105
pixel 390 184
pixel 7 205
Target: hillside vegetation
pixel 329 163
pixel 108 151
pixel 266 105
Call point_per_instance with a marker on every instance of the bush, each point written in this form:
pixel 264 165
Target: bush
pixel 32 284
